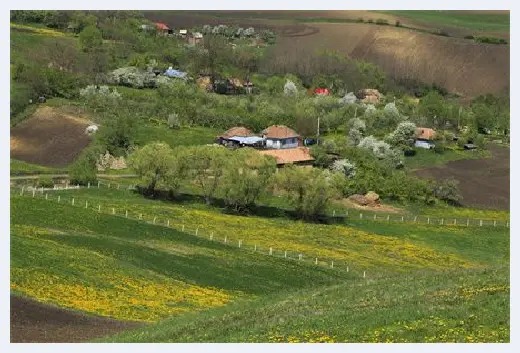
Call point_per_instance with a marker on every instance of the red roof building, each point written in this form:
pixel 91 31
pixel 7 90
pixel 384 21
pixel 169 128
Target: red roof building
pixel 161 26
pixel 322 91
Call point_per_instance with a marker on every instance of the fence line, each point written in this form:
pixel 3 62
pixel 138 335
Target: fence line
pixel 362 216
pixel 334 264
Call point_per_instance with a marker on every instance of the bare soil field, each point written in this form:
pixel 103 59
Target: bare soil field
pixel 460 65
pixel 51 137
pixel 482 182
pixel 35 322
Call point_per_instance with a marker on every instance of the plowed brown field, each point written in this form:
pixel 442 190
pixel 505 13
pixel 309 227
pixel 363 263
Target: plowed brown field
pixel 482 182
pixel 35 322
pixel 50 138
pixel 460 65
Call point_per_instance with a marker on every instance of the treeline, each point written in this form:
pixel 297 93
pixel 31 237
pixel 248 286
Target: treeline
pixel 242 177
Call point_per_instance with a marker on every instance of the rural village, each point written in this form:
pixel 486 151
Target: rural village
pixel 247 177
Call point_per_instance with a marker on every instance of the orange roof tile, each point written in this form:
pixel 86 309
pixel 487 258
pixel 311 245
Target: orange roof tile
pixel 237 131
pixel 425 133
pixel 279 132
pixel 290 155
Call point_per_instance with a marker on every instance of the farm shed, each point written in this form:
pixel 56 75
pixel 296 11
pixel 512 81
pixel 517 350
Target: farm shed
pixel 195 38
pixel 299 156
pixel 234 132
pixel 322 91
pixel 425 134
pixel 250 141
pixel 175 73
pixel 280 136
pixel 162 28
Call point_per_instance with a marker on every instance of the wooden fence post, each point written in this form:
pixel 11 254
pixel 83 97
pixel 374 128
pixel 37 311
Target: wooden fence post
pixel 300 256
pixel 183 227
pixel 21 192
pixel 333 213
pixel 428 222
pixel 73 201
pixel 481 223
pixel 455 222
pixel 154 220
pixel 375 217
pixel 98 184
pixel 255 247
pixel 285 254
pixel 34 192
pixel 415 219
pixel 442 221
pixel 240 243
pixel 388 218
pixel 270 251
pixel 211 236
pixel 316 261
pixel 140 216
pixel 117 186
pixel 361 216
pixel 225 239
pixel 86 204
pixel 46 196
pixel 494 223
pixel 402 218
pixel 167 223
pixel 197 231
pixel 59 197
pixel 347 269
pixel 126 213
pixel 332 264
pixel 99 208
pixel 88 185
pixel 113 210
pixel 364 274
pixel 467 223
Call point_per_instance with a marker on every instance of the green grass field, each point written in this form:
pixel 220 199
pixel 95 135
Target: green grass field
pixel 427 158
pixel 18 167
pixel 475 21
pixel 58 253
pixel 453 307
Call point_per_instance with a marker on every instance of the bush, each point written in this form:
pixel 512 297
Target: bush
pixel 409 151
pixel 360 20
pixel 84 169
pixel 469 37
pixel 441 32
pixel 382 21
pixel 370 20
pixel 174 121
pixel 398 23
pixel 448 191
pixel 45 181
pixel 345 167
pixel 490 40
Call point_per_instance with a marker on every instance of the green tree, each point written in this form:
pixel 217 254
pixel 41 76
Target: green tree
pixel 84 169
pixel 246 178
pixel 207 165
pixel 90 39
pixel 118 133
pixel 156 163
pixel 308 189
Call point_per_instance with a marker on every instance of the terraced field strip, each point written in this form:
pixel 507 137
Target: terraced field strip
pixel 347 214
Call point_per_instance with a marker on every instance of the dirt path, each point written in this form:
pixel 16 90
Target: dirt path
pixel 35 322
pixel 482 182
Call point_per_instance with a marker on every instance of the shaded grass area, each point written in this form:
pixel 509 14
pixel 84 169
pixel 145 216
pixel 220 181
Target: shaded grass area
pixel 461 306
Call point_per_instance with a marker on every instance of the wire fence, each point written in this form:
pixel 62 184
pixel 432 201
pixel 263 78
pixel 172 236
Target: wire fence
pixel 338 265
pixel 338 215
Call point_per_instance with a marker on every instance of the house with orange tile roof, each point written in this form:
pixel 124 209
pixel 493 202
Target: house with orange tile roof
pixel 299 156
pixel 281 136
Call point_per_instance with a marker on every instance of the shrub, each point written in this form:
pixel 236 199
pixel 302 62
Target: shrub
pixel 360 20
pixel 490 40
pixel 289 89
pixel 441 32
pixel 381 21
pixel 370 20
pixel 398 23
pixel 448 191
pixel 409 151
pixel 45 181
pixel 469 37
pixel 174 121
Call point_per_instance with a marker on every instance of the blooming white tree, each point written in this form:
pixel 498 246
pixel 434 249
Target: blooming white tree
pixel 348 98
pixel 357 124
pixel 290 88
pixel 404 132
pixel 345 167
pixel 391 110
pixel 249 32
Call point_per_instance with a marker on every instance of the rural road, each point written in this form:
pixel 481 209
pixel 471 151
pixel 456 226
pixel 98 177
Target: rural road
pixel 36 176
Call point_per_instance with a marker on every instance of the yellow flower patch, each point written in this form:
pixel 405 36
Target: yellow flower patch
pixel 116 296
pixel 39 30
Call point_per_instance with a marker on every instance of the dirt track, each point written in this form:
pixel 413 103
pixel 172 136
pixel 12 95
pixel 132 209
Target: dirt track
pixel 34 322
pixel 483 182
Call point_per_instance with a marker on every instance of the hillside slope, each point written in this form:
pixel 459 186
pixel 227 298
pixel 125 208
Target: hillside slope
pixel 454 307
